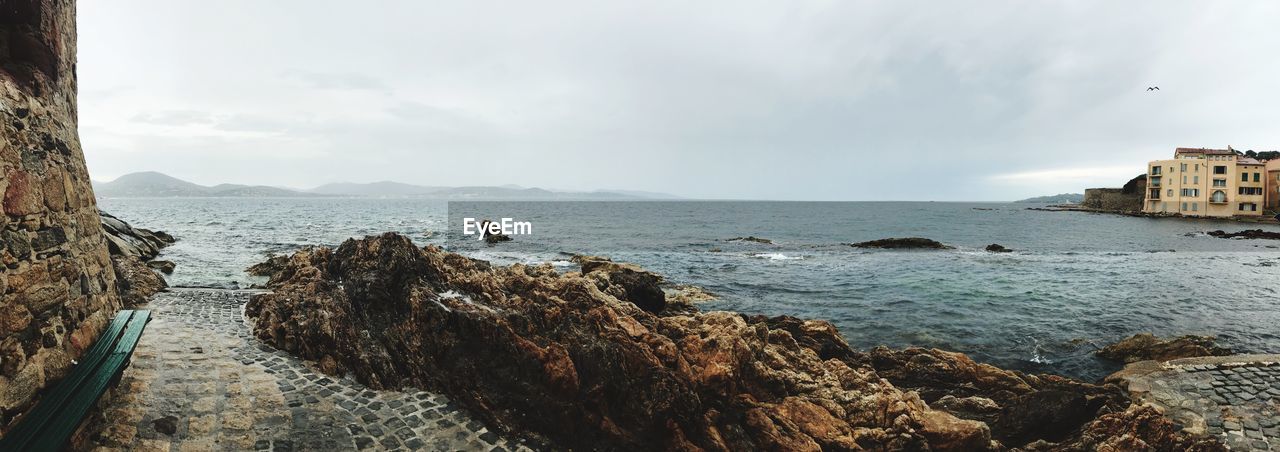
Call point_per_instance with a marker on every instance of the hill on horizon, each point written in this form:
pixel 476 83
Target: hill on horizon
pixel 1064 198
pixel 155 184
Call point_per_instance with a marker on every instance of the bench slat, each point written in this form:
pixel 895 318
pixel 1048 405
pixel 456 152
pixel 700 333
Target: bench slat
pixel 54 434
pixel 51 403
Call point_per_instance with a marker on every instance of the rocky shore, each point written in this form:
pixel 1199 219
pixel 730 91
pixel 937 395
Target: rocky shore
pixel 133 251
pixel 590 360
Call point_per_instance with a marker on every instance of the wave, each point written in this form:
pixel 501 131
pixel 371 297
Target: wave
pixel 777 257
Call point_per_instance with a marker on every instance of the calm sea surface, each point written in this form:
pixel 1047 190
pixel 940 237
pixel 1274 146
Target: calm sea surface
pixel 1077 281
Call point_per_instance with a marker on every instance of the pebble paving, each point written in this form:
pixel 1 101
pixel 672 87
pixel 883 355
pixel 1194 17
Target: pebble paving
pixel 1236 402
pixel 199 380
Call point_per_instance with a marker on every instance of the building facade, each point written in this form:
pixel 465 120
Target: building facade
pixel 1273 184
pixel 1207 183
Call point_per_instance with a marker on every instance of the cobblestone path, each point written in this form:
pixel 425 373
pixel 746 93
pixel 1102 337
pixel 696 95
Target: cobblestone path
pixel 200 381
pixel 1234 398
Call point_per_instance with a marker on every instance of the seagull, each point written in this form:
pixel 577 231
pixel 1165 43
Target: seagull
pixel 1153 88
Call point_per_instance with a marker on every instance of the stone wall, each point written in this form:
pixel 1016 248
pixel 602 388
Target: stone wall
pixel 1127 199
pixel 56 277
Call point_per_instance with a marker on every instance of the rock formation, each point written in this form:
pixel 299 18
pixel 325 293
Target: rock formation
pixel 1145 346
pixel 570 360
pixel 751 238
pixel 998 248
pixel 126 240
pixel 57 282
pixel 903 243
pixel 1246 234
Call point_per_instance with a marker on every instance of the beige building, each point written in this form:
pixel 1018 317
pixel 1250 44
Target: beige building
pixel 1206 183
pixel 1273 184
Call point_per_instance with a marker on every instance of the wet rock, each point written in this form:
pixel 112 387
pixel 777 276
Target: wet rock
pixel 1141 428
pixel 268 267
pixel 625 281
pixel 135 281
pixel 751 238
pixel 569 362
pixel 553 356
pixel 165 267
pixel 1145 346
pixel 997 248
pixel 1050 415
pixel 491 237
pixel 903 243
pixel 126 240
pixel 1246 234
pixel 167 425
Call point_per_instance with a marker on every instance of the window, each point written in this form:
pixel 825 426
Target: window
pixel 1191 192
pixel 1219 182
pixel 1195 179
pixel 1257 177
pixel 1170 193
pixel 1184 167
pixel 1249 206
pixel 1219 169
pixel 1155 170
pixel 1218 196
pixel 1197 167
pixel 1184 206
pixel 1195 206
pixel 1244 177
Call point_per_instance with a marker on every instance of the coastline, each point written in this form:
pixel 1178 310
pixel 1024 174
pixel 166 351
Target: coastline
pixel 1260 219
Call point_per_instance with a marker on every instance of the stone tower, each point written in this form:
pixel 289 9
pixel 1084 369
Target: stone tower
pixel 55 274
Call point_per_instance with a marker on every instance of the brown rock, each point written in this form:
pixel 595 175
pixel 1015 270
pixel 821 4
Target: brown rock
pixel 136 281
pixel 1145 346
pixel 555 357
pixel 14 317
pixel 22 197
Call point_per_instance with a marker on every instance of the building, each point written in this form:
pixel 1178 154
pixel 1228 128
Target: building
pixel 1273 184
pixel 1207 183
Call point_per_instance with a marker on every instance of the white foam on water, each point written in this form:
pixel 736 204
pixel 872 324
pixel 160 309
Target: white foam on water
pixel 777 257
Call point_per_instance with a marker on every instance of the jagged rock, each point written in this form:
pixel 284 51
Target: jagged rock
pixel 1141 428
pixel 1145 346
pixel 135 281
pixel 268 267
pixel 554 357
pixel 751 238
pixel 551 355
pixel 125 240
pixel 165 267
pixel 997 248
pixel 903 243
pixel 491 237
pixel 1246 234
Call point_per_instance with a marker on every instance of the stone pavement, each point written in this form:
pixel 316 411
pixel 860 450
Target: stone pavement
pixel 1235 398
pixel 199 380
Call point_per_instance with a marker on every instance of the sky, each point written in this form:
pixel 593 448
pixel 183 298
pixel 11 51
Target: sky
pixel 742 99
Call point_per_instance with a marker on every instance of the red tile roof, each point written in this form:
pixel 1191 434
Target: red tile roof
pixel 1247 161
pixel 1204 151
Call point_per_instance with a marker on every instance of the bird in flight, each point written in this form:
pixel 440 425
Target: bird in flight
pixel 1153 88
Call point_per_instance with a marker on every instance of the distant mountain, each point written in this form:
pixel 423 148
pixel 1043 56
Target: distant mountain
pixel 159 185
pixel 1065 198
pixel 153 184
pixel 387 189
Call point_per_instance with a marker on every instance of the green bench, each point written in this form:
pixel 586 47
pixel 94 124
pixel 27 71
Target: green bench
pixel 53 420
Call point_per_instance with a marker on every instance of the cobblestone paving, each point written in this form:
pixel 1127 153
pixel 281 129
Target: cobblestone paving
pixel 200 381
pixel 1239 402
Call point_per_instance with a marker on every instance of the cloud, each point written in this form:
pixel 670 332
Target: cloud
pixel 339 81
pixel 173 117
pixel 857 100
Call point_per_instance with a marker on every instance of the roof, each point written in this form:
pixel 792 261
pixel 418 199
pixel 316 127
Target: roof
pixel 1247 161
pixel 1204 151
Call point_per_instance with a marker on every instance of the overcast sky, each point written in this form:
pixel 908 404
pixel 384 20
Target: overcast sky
pixel 838 100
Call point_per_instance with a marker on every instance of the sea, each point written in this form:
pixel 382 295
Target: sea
pixel 1075 282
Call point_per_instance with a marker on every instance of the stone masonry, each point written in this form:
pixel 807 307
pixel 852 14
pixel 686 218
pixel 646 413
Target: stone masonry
pixel 199 380
pixel 55 276
pixel 1234 398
